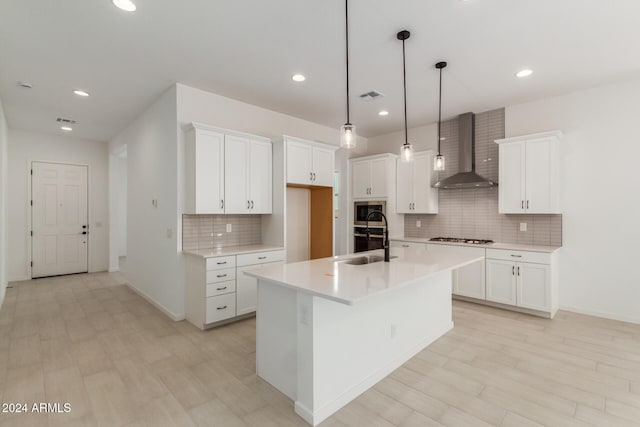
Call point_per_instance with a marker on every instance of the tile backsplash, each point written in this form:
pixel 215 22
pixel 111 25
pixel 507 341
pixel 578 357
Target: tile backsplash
pixel 210 231
pixel 473 213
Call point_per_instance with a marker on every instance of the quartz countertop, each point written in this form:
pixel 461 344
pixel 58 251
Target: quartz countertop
pixel 232 250
pixel 495 245
pixel 333 279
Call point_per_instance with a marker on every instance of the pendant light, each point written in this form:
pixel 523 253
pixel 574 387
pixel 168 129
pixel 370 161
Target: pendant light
pixel 438 161
pixel 348 137
pixel 406 150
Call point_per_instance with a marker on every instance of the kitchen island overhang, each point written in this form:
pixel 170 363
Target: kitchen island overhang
pixel 327 331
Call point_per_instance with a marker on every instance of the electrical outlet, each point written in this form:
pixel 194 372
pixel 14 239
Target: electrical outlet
pixel 229 228
pixel 418 224
pixel 523 226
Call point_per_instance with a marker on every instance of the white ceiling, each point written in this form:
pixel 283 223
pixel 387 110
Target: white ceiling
pixel 248 50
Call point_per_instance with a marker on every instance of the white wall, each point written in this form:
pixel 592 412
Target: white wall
pixel 599 192
pixel 153 265
pixel 4 144
pixel 121 227
pixel 25 147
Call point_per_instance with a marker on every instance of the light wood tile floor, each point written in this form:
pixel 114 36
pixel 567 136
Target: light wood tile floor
pixel 90 341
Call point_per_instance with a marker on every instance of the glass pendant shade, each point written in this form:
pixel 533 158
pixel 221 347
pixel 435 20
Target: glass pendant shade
pixel 406 152
pixel 438 163
pixel 348 137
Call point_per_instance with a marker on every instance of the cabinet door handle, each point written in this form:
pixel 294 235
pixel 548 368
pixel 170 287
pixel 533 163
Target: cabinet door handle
pixel 527 204
pixel 221 262
pixel 513 270
pixel 252 204
pixel 221 289
pixel 522 204
pixel 262 257
pixel 221 204
pixel 516 256
pixel 221 275
pixel 310 176
pixel 248 204
pixel 518 270
pixel 221 308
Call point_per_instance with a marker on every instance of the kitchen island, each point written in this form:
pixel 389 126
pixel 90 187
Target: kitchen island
pixel 329 329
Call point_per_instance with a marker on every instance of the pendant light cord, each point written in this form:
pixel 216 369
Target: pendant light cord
pixel 404 83
pixel 439 110
pixel 346 21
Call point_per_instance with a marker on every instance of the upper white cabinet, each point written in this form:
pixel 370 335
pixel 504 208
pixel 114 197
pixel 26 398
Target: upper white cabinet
pixel 370 176
pixel 414 192
pixel 247 175
pixel 204 171
pixel 529 173
pixel 227 172
pixel 309 163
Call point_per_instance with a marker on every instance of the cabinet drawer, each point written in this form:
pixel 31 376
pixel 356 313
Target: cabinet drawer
pixel 519 256
pixel 215 276
pixel 260 258
pixel 221 288
pixel 221 262
pixel 221 307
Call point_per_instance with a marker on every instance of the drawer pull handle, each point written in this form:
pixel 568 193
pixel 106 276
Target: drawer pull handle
pixel 405 246
pixel 262 257
pixel 221 275
pixel 516 256
pixel 221 308
pixel 221 263
pixel 221 289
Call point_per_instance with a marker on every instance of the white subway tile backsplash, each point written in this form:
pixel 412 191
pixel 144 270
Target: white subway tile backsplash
pixel 210 231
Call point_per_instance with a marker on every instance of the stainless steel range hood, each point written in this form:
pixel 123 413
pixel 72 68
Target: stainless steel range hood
pixel 467 176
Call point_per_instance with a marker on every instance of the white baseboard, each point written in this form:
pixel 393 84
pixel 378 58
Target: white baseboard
pixel 156 304
pixel 315 418
pixel 602 314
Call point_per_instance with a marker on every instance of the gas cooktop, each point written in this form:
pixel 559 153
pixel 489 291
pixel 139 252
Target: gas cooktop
pixel 460 240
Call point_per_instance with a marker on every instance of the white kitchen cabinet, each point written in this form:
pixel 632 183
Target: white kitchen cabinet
pixel 309 163
pixel 370 176
pixel 468 281
pixel 204 152
pixel 403 244
pixel 529 174
pixel 248 181
pixel 523 279
pixel 217 289
pixel 414 192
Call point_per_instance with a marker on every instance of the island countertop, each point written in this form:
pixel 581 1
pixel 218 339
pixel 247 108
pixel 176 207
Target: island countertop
pixel 333 279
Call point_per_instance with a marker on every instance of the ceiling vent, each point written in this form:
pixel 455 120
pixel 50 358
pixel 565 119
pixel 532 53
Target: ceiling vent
pixel 371 96
pixel 68 121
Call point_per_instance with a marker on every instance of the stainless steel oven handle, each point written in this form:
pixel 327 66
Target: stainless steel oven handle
pixel 373 236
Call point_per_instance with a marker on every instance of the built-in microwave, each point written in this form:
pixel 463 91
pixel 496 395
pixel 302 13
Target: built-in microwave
pixel 362 209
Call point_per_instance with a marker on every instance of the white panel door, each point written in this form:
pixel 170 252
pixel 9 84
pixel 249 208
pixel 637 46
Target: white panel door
pixel 501 281
pixel 404 186
pixel 236 174
pixel 425 197
pixel 246 290
pixel 534 286
pixel 378 177
pixel 361 178
pixel 299 163
pixel 470 280
pixel 538 176
pixel 323 167
pixel 260 177
pixel 512 177
pixel 59 219
pixel 209 173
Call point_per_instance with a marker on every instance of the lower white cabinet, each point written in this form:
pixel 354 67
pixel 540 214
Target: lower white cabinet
pixel 523 279
pixel 403 244
pixel 468 281
pixel 218 290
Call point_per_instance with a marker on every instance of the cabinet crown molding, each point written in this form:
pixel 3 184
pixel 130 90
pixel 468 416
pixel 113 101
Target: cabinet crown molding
pixel 555 134
pixel 201 126
pixel 324 145
pixel 376 156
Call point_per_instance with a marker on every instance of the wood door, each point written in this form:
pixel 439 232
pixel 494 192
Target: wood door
pixel 59 219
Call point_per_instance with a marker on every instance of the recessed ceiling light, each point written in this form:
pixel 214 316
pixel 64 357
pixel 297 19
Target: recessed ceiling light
pixel 81 92
pixel 383 113
pixel 524 73
pixel 127 5
pixel 25 85
pixel 298 78
pixel 66 128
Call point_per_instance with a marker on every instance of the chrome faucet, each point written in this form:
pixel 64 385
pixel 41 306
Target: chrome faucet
pixel 386 232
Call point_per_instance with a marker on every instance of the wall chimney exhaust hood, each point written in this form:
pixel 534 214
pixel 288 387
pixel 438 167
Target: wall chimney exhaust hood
pixel 467 177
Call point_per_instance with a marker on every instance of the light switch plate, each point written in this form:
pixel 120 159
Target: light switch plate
pixel 229 228
pixel 523 226
pixel 418 224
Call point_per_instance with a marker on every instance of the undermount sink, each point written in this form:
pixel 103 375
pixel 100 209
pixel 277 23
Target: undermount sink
pixel 366 259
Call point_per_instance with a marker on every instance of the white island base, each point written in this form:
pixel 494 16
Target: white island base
pixel 323 354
